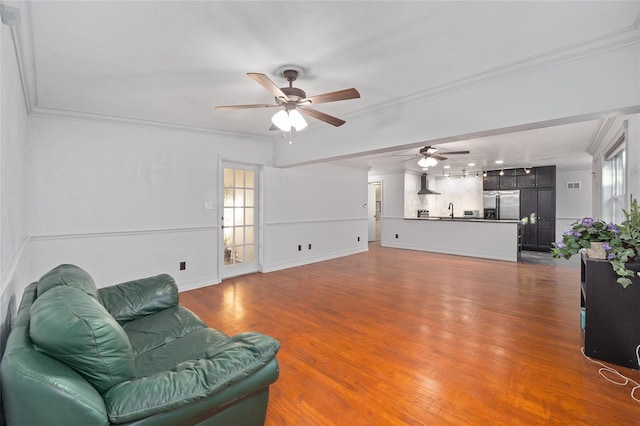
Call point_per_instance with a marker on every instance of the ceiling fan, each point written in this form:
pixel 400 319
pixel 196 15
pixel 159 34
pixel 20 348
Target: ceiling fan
pixel 430 158
pixel 295 101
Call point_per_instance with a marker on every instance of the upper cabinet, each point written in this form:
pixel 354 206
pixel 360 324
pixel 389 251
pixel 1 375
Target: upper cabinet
pixel 491 180
pixel 546 176
pixel 526 180
pixel 494 181
pixel 508 179
pixel 538 177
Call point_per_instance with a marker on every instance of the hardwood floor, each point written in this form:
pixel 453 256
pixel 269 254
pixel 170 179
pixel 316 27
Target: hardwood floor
pixel 400 337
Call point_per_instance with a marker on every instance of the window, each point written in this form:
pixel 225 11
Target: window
pixel 618 187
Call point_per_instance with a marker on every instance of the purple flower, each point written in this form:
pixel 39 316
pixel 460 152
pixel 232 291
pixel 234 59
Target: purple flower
pixel 587 221
pixel 612 227
pixel 560 244
pixel 606 246
pixel 568 233
pixel 577 234
pixel 610 256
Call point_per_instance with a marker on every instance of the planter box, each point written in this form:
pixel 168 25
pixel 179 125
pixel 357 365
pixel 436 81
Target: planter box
pixel 611 313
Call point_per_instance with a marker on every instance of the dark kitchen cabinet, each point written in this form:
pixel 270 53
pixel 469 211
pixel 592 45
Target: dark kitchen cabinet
pixel 508 179
pixel 529 215
pixel 491 181
pixel 538 213
pixel 538 177
pixel 526 180
pixel 546 177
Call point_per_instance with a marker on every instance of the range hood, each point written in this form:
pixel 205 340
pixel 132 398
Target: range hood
pixel 424 186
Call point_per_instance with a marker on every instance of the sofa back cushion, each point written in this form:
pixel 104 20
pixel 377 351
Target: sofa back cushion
pixel 73 327
pixel 67 275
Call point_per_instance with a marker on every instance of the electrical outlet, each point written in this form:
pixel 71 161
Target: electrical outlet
pixel 396 235
pixel 299 247
pixel 309 246
pixel 183 266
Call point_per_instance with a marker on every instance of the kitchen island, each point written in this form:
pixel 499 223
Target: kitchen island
pixel 489 239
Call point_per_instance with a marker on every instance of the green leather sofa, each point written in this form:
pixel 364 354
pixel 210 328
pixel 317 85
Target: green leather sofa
pixel 128 355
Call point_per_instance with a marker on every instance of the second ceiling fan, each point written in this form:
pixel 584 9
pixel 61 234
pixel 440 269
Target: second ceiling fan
pixel 430 158
pixel 295 101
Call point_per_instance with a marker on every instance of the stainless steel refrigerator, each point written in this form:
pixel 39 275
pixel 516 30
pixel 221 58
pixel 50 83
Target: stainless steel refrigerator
pixel 502 205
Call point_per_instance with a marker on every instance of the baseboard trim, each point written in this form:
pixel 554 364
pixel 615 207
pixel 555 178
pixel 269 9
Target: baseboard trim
pixel 315 259
pixel 192 285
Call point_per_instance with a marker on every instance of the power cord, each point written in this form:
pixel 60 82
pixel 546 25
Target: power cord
pixel 604 370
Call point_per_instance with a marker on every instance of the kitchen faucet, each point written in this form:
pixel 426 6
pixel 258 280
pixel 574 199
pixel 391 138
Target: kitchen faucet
pixel 450 208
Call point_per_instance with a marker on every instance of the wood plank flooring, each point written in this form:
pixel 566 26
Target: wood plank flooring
pixel 400 337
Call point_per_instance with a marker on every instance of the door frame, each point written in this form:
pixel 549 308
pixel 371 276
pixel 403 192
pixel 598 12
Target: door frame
pixel 230 271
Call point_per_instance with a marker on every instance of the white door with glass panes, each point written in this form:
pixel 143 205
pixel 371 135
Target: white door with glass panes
pixel 239 221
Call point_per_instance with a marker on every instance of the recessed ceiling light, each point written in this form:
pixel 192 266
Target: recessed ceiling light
pixel 499 161
pixel 471 164
pixel 446 167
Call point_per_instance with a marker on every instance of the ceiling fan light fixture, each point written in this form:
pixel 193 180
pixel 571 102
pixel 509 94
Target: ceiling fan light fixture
pixel 281 120
pixel 284 120
pixel 296 120
pixel 427 162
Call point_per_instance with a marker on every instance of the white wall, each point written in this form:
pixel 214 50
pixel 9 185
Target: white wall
pixel 126 201
pixel 572 204
pixel 323 205
pixel 464 193
pixel 14 232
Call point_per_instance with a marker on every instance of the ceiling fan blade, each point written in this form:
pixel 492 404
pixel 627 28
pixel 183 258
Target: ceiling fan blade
pixel 321 116
pixel 438 157
pixel 454 152
pixel 266 82
pixel 340 95
pixel 231 107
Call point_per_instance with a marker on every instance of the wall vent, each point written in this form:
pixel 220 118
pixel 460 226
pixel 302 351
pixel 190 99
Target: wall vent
pixel 573 185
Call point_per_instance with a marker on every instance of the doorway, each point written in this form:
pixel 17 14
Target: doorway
pixel 239 221
pixel 374 201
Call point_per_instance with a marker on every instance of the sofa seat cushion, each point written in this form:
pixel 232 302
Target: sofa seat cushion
pixel 67 275
pixel 215 371
pixel 162 327
pixel 73 327
pixel 189 347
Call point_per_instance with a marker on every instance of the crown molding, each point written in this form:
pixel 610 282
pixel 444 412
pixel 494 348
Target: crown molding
pixel 69 114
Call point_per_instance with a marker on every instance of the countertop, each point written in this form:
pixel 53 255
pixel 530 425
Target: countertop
pixel 461 219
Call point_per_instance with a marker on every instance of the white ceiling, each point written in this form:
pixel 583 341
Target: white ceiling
pixel 173 61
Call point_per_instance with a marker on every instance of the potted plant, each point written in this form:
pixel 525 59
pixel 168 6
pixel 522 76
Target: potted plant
pixel 619 243
pixel 584 234
pixel 629 241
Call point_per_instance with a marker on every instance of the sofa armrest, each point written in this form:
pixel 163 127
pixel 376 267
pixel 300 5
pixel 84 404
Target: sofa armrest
pixel 135 299
pixel 238 359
